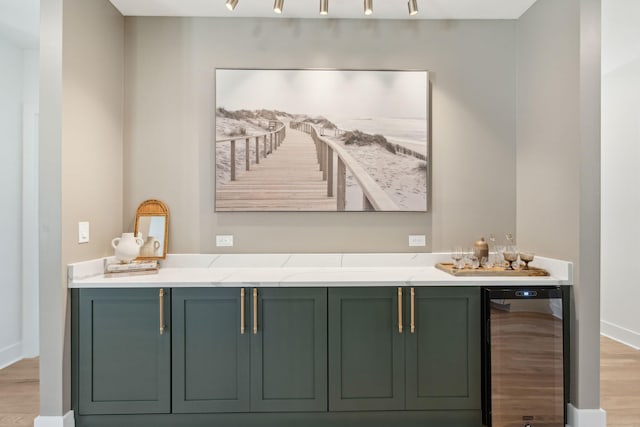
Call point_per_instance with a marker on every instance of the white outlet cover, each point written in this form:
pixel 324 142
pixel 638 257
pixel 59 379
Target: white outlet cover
pixel 224 240
pixel 83 232
pixel 417 240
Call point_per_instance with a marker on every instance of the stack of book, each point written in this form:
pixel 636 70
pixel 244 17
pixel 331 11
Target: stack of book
pixel 133 268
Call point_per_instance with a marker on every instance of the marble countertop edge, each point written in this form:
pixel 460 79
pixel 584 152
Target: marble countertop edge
pixel 295 270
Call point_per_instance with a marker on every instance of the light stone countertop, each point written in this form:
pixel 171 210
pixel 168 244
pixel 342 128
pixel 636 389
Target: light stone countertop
pixel 306 270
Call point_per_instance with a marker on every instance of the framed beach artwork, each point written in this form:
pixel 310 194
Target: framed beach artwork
pixel 321 140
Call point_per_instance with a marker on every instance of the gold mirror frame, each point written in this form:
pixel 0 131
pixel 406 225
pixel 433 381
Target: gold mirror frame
pixel 145 215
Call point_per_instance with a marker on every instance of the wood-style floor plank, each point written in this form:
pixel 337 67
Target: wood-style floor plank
pixel 20 393
pixel 620 383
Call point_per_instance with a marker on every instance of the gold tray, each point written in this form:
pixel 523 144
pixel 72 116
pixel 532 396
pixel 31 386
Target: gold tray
pixel 493 271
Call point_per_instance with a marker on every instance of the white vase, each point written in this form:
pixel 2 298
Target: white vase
pixel 127 247
pixel 150 247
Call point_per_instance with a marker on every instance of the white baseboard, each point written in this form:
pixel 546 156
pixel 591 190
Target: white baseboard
pixel 10 355
pixel 586 417
pixel 66 421
pixel 620 334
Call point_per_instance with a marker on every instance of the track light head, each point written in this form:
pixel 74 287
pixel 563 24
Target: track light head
pixel 231 4
pixel 368 7
pixel 413 7
pixel 277 6
pixel 324 7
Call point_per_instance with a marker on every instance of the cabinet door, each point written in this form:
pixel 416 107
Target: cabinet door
pixel 124 360
pixel 210 352
pixel 443 353
pixel 366 350
pixel 289 350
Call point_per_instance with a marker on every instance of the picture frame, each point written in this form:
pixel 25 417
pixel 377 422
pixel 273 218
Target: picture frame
pixel 321 140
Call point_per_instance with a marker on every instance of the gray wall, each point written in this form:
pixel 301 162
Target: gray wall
pixel 31 117
pixel 169 110
pixel 620 173
pixel 18 106
pixel 80 164
pixel 11 58
pixel 558 161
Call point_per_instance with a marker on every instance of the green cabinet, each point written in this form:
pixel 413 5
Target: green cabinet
pixel 366 351
pixel 123 359
pixel 377 361
pixel 289 350
pixel 239 356
pixel 277 363
pixel 443 352
pixel 210 351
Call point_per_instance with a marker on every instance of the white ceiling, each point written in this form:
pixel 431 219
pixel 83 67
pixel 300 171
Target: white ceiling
pixel 382 9
pixel 19 19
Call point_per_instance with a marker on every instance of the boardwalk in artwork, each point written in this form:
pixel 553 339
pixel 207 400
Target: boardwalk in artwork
pixel 289 179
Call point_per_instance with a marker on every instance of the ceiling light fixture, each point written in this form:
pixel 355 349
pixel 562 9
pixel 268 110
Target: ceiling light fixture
pixel 368 7
pixel 277 6
pixel 413 7
pixel 324 7
pixel 231 4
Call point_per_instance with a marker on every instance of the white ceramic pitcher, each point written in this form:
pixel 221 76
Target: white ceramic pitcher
pixel 127 247
pixel 150 247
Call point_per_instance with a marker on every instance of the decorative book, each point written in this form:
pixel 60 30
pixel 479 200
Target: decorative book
pixel 132 268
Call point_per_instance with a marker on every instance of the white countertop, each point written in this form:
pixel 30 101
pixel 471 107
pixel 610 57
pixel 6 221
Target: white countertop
pixel 306 270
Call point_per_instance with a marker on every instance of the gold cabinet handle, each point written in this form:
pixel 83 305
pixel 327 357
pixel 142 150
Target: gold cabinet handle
pixel 162 325
pixel 255 311
pixel 399 310
pixel 413 310
pixel 242 311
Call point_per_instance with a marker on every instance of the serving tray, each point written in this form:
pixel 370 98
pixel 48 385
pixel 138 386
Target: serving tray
pixel 493 271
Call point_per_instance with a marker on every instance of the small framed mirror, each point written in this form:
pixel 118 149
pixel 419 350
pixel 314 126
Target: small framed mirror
pixel 152 225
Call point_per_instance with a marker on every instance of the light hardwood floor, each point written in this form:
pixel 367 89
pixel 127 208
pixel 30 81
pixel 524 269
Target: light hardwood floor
pixel 620 383
pixel 620 388
pixel 19 394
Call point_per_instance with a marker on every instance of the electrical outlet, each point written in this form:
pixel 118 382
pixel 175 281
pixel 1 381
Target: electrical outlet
pixel 83 232
pixel 417 240
pixel 224 240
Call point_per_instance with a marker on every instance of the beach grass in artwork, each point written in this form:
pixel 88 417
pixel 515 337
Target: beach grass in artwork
pixel 321 140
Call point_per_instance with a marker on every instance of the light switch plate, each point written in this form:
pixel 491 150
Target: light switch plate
pixel 224 240
pixel 83 232
pixel 417 240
